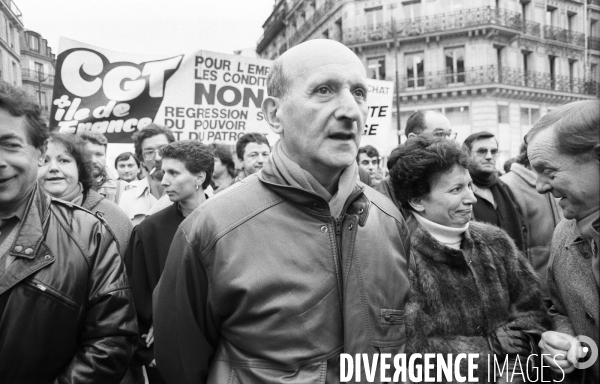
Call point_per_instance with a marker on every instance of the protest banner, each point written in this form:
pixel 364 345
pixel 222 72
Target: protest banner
pixel 378 130
pixel 202 95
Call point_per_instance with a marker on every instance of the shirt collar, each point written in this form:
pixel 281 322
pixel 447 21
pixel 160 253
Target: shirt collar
pixel 589 225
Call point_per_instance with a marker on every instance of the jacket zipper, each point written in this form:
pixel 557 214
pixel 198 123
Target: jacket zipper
pixel 58 296
pixel 338 259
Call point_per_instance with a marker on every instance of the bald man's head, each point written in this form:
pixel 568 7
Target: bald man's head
pixel 428 122
pixel 279 79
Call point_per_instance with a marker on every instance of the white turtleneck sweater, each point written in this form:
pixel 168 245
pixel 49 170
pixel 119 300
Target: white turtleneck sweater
pixel 449 236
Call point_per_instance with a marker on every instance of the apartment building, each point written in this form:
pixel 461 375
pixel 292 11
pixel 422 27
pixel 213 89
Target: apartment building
pixel 495 65
pixel 37 72
pixel 11 24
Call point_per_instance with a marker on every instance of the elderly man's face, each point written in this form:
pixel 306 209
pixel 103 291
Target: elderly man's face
pixel 484 153
pixel 324 111
pixel 19 161
pixel 575 181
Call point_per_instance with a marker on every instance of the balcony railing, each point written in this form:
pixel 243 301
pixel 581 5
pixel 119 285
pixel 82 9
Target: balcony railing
pixel 33 75
pixel 13 8
pixel 594 2
pixel 594 43
pixel 311 22
pixel 491 75
pixel 564 35
pixel 475 17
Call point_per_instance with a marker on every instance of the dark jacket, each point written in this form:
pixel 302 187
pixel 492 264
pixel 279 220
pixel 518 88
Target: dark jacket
pixel 457 296
pixel 541 214
pixel 66 312
pixel 145 260
pixel 263 285
pixel 574 292
pixel 505 215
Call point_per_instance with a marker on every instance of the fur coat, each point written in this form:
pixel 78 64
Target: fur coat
pixel 457 297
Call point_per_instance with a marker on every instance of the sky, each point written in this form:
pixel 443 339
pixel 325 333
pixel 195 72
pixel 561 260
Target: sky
pixel 153 27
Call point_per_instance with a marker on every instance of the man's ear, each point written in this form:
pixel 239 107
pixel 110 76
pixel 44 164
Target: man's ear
pixel 417 204
pixel 42 149
pixel 270 107
pixel 200 177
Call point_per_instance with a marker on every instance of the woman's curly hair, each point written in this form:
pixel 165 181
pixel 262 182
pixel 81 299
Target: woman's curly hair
pixel 75 146
pixel 419 162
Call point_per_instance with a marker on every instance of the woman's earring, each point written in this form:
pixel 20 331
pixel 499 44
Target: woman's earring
pixel 197 187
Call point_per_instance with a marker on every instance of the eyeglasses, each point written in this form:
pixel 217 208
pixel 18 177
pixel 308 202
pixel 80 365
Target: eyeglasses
pixel 150 154
pixel 482 152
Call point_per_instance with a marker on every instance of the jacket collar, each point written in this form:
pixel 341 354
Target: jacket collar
pixel 270 176
pixel 526 174
pixel 31 233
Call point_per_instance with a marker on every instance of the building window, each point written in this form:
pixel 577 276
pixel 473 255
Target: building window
pixel 526 65
pixel 455 64
pixel 412 9
pixel 458 115
pixel 550 16
pixel 42 100
pixel 529 116
pixel 594 72
pixel 374 18
pixel 39 71
pixel 415 69
pixel 34 43
pixel 503 114
pixel 552 70
pixel 15 75
pixel 376 68
pixel 11 36
pixel 572 74
pixel 571 21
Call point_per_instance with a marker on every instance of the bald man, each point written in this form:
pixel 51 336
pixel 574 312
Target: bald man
pixel 427 122
pixel 271 281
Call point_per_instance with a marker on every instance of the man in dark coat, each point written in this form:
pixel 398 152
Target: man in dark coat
pixel 564 150
pixel 495 201
pixel 66 313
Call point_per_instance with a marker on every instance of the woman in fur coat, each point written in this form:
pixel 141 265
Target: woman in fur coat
pixel 472 291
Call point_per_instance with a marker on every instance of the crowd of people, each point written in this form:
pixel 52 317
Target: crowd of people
pixel 262 264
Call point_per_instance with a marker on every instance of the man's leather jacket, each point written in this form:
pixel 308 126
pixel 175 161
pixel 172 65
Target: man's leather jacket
pixel 66 311
pixel 263 285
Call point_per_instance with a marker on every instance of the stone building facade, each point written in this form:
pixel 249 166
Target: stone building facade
pixel 495 65
pixel 11 25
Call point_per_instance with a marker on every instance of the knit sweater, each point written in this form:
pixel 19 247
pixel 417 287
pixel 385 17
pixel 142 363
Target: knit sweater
pixel 459 296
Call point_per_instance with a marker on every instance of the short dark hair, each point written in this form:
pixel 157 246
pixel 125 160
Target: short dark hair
pixel 75 147
pixel 196 157
pixel 368 150
pixel 148 131
pixel 251 137
pixel 18 103
pixel 575 125
pixel 508 163
pixel 419 162
pixel 94 138
pixel 468 143
pixel 126 156
pixel 522 157
pixel 224 154
pixel 277 82
pixel 415 123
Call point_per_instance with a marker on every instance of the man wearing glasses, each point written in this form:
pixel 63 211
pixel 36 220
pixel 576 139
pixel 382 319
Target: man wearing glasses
pixel 141 196
pixel 495 202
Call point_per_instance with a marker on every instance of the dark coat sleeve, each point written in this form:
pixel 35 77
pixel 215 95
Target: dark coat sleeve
pixel 185 330
pixel 109 333
pixel 141 289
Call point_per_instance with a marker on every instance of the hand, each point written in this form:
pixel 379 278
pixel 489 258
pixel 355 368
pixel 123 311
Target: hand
pixel 149 337
pixel 505 341
pixel 561 351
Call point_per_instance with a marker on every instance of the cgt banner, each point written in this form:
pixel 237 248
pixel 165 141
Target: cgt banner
pixel 204 96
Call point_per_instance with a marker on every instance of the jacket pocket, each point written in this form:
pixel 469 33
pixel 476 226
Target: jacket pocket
pixel 54 294
pixel 391 317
